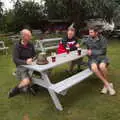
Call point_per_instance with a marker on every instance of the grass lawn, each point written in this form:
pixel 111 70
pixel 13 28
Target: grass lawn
pixel 83 101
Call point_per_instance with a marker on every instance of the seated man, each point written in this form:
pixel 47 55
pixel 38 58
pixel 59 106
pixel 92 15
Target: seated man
pixel 23 54
pixel 98 61
pixel 71 42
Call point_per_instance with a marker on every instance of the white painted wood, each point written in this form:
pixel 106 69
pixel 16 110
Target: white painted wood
pixel 61 87
pixel 47 48
pixel 52 39
pixel 51 92
pixel 60 59
pixel 69 82
pixel 3 47
pixel 39 82
pixel 40 44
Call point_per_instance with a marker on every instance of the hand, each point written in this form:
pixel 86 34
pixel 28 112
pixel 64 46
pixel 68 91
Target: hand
pixel 89 52
pixel 29 61
pixel 77 45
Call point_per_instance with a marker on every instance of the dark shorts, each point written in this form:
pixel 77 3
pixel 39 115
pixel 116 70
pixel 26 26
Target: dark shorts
pixel 98 61
pixel 22 73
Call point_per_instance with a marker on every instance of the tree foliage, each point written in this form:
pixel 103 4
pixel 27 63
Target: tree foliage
pixel 31 12
pixel 79 10
pixel 24 13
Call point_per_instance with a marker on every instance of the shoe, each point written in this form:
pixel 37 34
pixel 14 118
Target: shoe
pixel 13 92
pixel 111 84
pixel 111 90
pixel 105 89
pixel 14 73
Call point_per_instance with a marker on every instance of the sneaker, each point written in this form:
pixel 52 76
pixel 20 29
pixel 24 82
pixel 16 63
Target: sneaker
pixel 13 92
pixel 111 90
pixel 111 84
pixel 105 89
pixel 14 73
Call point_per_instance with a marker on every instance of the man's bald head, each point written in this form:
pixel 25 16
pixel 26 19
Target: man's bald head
pixel 26 35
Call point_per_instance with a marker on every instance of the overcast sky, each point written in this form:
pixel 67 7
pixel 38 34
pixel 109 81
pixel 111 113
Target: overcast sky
pixel 8 4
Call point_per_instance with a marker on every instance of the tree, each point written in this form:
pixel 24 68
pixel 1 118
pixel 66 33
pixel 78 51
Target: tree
pixel 55 9
pixel 1 9
pixel 27 13
pixel 79 10
pixel 1 16
pixel 31 13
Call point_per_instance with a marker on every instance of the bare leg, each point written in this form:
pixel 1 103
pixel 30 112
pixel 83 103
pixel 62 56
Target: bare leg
pixel 96 70
pixel 103 77
pixel 24 83
pixel 103 69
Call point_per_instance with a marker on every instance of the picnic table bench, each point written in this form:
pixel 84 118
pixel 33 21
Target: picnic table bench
pixel 15 38
pixel 69 82
pixel 3 47
pixel 47 44
pixel 62 86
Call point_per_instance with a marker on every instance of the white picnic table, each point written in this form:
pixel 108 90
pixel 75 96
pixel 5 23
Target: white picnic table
pixel 3 47
pixel 47 44
pixel 62 86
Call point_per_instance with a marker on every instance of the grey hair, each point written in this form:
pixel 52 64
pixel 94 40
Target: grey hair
pixel 22 32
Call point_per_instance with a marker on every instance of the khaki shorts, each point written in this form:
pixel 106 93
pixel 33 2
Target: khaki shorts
pixel 22 73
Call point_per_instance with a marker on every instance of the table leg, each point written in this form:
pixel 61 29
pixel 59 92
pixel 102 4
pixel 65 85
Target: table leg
pixel 51 92
pixel 31 73
pixel 55 100
pixel 5 52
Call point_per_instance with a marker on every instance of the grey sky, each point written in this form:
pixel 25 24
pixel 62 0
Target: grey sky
pixel 8 4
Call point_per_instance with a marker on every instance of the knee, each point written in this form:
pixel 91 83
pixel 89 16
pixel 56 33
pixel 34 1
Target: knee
pixel 26 81
pixel 102 66
pixel 94 67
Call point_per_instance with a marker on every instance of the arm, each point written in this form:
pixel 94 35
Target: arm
pixel 16 58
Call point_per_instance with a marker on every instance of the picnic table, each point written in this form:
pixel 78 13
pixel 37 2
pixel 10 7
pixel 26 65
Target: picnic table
pixel 62 86
pixel 3 47
pixel 47 44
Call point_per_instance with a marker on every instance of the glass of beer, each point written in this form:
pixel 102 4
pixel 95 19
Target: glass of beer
pixel 53 56
pixel 68 50
pixel 79 51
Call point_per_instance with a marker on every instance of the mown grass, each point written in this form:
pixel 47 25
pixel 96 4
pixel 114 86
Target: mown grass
pixel 83 101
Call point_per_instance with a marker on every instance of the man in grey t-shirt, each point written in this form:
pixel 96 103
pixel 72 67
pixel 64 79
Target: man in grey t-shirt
pixel 98 61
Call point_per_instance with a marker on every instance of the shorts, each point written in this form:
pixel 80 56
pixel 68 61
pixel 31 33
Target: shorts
pixel 98 60
pixel 22 73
